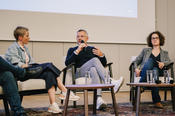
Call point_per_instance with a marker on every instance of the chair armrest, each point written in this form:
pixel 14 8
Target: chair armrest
pixel 131 66
pixel 131 69
pixel 108 64
pixel 68 67
pixel 169 66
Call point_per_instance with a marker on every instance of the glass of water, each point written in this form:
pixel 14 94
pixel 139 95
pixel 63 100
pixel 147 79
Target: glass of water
pixel 107 79
pixel 166 76
pixel 155 76
pixel 87 77
pixel 149 75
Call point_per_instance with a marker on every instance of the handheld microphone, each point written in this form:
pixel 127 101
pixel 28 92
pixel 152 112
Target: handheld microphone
pixel 82 41
pixel 84 49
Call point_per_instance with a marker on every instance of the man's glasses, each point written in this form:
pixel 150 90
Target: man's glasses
pixel 155 38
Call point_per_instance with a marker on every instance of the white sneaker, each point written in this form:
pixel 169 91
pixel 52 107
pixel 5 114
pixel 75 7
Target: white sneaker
pixel 72 96
pixel 54 108
pixel 117 83
pixel 101 104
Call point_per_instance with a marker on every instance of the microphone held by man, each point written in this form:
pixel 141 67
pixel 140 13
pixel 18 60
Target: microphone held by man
pixel 84 47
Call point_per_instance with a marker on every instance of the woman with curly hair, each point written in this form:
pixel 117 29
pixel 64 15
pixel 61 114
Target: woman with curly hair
pixel 152 58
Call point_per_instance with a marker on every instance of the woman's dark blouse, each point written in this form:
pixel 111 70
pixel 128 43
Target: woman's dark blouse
pixel 155 59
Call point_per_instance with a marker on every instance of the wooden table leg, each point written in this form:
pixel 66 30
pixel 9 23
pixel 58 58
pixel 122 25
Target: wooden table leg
pixel 86 102
pixel 173 97
pixel 95 101
pixel 114 102
pixel 66 102
pixel 138 101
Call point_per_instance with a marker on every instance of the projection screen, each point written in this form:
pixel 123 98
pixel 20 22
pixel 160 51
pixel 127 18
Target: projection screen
pixel 107 21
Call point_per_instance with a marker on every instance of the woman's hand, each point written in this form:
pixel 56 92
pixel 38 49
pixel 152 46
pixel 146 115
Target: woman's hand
pixel 161 64
pixel 137 72
pixel 24 66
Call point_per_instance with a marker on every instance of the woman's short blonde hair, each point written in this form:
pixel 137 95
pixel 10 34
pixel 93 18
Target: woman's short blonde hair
pixel 20 31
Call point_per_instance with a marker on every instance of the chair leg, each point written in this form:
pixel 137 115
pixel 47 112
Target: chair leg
pixel 165 95
pixel 75 104
pixel 64 81
pixel 114 102
pixel 66 102
pixel 173 97
pixel 21 97
pixel 134 99
pixel 7 112
pixel 132 95
pixel 95 101
pixel 62 102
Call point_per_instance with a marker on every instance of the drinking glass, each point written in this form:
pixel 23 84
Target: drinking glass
pixel 155 76
pixel 149 75
pixel 166 76
pixel 107 79
pixel 87 77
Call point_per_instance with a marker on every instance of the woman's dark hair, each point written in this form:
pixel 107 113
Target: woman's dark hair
pixel 161 38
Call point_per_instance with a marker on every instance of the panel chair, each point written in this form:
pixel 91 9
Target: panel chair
pixel 132 79
pixel 70 78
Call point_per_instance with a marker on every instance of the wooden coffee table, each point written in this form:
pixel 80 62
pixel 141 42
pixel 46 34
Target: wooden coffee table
pixel 139 85
pixel 93 87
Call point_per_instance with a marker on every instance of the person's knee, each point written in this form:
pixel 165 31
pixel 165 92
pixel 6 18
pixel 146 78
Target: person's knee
pixel 93 69
pixel 94 75
pixel 50 64
pixel 8 77
pixel 95 59
pixel 51 90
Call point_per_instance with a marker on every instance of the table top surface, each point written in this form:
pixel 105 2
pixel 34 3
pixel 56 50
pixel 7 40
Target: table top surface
pixel 89 86
pixel 151 84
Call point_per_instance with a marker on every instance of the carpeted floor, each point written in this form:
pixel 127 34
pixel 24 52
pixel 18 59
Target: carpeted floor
pixel 125 109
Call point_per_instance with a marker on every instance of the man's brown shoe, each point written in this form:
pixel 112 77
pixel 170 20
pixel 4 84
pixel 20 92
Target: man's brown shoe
pixel 158 105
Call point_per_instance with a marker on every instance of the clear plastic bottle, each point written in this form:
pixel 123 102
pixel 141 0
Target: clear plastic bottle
pixel 87 76
pixel 107 79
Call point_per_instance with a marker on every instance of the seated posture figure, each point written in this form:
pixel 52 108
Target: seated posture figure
pixel 8 73
pixel 18 54
pixel 152 58
pixel 91 59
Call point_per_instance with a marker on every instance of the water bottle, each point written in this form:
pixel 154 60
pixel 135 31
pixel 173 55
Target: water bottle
pixel 166 76
pixel 87 76
pixel 107 79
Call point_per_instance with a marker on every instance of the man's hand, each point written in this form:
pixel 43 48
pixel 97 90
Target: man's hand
pixel 137 72
pixel 161 64
pixel 97 52
pixel 80 47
